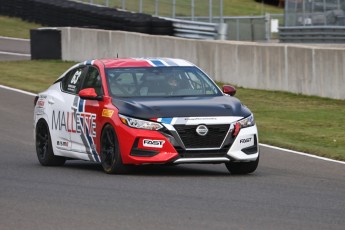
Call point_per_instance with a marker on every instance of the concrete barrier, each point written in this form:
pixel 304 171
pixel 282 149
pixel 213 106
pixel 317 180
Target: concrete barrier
pixel 304 69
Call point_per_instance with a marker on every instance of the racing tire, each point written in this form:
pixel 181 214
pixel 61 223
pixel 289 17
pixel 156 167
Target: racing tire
pixel 110 152
pixel 44 148
pixel 238 168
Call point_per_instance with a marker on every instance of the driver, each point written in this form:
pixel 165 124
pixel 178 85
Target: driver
pixel 172 82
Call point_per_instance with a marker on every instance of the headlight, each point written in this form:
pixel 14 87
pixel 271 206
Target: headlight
pixel 140 124
pixel 247 122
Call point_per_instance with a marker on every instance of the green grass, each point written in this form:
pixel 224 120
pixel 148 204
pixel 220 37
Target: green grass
pixel 310 124
pixel 15 27
pixel 33 76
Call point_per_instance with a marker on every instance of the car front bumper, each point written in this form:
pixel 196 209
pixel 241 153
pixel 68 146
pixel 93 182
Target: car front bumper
pixel 154 147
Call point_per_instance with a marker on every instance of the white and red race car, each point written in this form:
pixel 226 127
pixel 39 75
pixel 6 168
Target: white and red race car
pixel 125 112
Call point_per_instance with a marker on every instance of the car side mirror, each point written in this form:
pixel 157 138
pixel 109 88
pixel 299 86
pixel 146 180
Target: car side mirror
pixel 230 90
pixel 89 93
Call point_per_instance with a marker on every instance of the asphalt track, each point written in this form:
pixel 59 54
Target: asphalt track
pixel 13 49
pixel 288 191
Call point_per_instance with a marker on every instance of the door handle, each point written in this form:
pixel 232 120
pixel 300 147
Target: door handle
pixel 51 101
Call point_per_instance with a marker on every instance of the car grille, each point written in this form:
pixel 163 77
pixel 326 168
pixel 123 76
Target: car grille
pixel 213 139
pixel 202 153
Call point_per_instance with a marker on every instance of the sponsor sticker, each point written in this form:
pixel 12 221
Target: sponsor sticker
pixel 74 122
pixel 62 143
pixel 40 103
pixel 107 113
pixel 247 141
pixel 153 143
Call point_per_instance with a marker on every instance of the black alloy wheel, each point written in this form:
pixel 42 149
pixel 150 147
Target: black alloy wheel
pixel 110 152
pixel 44 149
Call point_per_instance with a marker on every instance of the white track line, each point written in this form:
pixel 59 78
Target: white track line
pixel 264 145
pixel 302 154
pixel 15 54
pixel 18 90
pixel 15 39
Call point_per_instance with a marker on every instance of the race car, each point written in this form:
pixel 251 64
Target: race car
pixel 124 112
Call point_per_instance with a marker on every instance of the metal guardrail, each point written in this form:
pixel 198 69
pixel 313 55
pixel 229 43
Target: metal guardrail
pixel 312 34
pixel 199 30
pixel 245 28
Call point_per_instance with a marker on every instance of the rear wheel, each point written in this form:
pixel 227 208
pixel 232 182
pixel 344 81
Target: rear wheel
pixel 44 148
pixel 242 167
pixel 110 152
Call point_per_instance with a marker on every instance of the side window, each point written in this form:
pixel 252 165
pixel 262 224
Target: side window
pixel 93 80
pixel 71 82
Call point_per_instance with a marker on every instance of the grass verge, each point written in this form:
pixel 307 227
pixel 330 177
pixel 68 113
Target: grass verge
pixel 32 76
pixel 310 124
pixel 183 7
pixel 15 27
pixel 304 123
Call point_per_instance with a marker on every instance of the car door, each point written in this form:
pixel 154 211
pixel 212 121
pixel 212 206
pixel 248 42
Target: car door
pixel 83 141
pixel 62 112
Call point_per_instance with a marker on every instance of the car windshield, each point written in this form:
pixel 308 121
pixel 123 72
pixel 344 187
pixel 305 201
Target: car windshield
pixel 159 81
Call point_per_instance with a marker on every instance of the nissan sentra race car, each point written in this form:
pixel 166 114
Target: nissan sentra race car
pixel 133 111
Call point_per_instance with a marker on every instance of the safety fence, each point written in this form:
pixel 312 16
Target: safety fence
pixel 312 34
pixel 317 21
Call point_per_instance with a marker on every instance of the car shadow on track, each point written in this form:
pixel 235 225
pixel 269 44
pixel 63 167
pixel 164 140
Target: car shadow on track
pixel 160 170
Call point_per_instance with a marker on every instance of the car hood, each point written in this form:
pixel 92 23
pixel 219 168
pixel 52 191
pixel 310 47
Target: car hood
pixel 181 107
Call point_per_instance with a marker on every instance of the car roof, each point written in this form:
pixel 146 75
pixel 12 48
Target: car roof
pixel 134 62
pixel 143 62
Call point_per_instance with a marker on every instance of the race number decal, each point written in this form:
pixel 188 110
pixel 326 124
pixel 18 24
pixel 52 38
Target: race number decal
pixel 76 76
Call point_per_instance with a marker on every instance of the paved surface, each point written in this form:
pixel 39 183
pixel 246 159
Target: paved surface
pixel 286 192
pixel 12 49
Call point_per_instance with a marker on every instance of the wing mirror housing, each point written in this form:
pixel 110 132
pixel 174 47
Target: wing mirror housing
pixel 90 94
pixel 230 90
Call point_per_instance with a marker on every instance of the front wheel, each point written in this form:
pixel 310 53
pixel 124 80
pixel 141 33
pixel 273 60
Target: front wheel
pixel 44 148
pixel 242 167
pixel 110 152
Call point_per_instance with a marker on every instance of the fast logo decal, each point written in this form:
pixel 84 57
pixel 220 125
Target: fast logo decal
pixel 246 140
pixel 153 143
